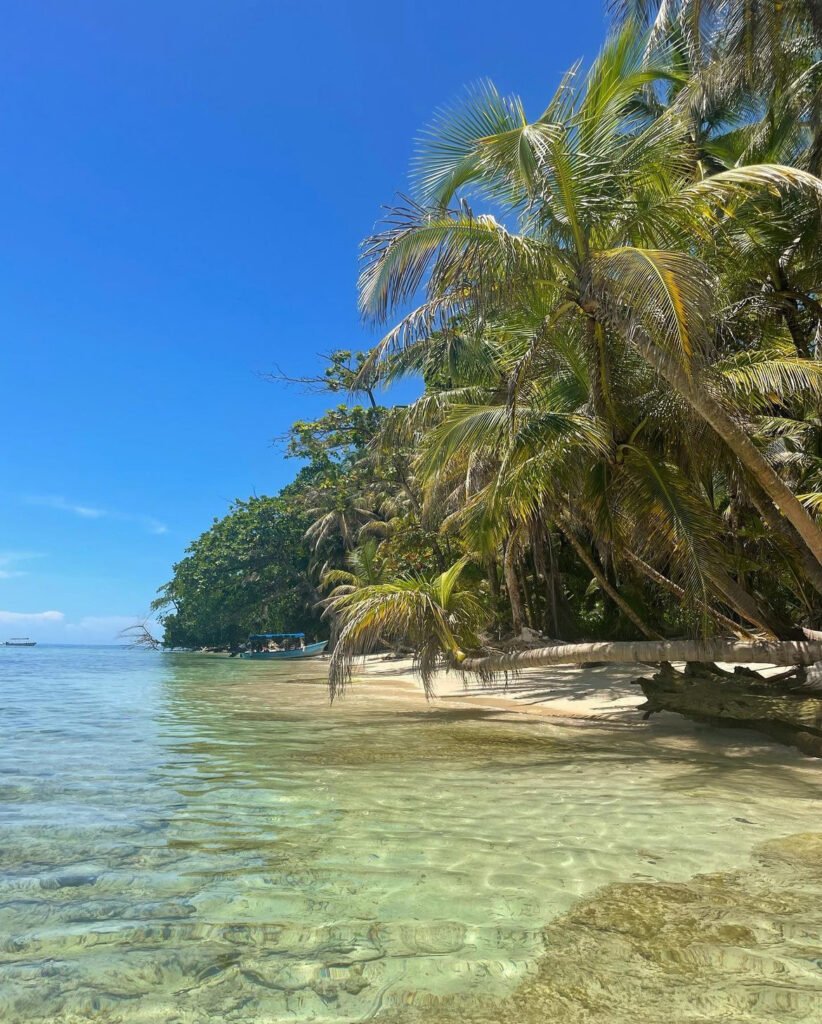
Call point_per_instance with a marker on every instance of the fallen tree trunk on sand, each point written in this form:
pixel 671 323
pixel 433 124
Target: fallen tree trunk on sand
pixel 787 708
pixel 777 652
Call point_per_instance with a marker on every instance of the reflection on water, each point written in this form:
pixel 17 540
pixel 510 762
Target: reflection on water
pixel 186 838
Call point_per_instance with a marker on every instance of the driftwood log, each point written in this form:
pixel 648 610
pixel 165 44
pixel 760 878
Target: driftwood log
pixel 787 707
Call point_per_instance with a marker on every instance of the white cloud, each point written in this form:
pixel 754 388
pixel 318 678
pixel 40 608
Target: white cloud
pixel 109 624
pixel 62 504
pixel 7 557
pixel 52 627
pixel 8 560
pixel 106 629
pixel 30 618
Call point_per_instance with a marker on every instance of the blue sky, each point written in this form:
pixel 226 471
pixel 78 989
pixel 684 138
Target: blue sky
pixel 183 190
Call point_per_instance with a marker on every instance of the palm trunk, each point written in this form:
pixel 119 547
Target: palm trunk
pixel 605 583
pixel 493 584
pixel 740 444
pixel 737 598
pixel 677 591
pixel 512 585
pixel 600 386
pixel 550 619
pixel 777 652
pixel 782 529
pixel 554 584
pixel 531 619
pixel 790 312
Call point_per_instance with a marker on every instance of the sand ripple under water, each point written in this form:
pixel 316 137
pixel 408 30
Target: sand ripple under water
pixel 185 839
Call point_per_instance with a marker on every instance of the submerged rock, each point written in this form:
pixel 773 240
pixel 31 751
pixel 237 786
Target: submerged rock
pixel 802 852
pixel 68 881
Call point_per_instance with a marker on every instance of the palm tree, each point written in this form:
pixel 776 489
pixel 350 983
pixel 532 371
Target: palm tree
pixel 615 241
pixel 338 515
pixel 437 615
pixel 758 62
pixel 549 460
pixel 364 570
pixel 757 35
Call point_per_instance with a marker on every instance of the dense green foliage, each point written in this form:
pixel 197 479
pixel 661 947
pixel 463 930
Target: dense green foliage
pixel 268 563
pixel 615 310
pixel 248 573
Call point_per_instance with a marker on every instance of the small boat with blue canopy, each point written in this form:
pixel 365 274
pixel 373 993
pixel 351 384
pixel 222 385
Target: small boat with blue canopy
pixel 281 647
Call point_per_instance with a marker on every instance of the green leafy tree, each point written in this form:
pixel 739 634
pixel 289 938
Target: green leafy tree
pixel 247 573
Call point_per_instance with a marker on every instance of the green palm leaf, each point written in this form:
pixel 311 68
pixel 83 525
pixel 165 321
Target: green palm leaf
pixel 434 615
pixel 667 294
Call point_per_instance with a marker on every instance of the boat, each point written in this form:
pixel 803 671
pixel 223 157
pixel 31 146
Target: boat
pixel 281 647
pixel 20 641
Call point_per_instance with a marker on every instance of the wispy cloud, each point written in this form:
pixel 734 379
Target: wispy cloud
pixel 108 626
pixel 29 618
pixel 57 627
pixel 64 505
pixel 9 560
pixel 84 511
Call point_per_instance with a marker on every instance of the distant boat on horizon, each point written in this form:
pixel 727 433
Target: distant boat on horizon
pixel 20 641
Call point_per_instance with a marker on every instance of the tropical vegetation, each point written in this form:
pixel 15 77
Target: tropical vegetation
pixel 615 313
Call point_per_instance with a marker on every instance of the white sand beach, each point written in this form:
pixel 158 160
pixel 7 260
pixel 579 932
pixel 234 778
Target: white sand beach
pixel 604 697
pixel 574 693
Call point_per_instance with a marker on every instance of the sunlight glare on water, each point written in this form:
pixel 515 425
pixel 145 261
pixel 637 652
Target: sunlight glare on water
pixel 186 838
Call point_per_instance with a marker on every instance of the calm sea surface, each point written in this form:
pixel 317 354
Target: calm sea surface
pixel 187 839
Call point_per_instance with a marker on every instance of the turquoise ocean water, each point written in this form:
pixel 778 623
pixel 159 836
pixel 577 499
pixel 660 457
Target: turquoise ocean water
pixel 186 838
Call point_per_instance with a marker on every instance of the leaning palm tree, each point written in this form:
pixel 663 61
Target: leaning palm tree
pixel 555 466
pixel 614 237
pixel 438 616
pixel 777 652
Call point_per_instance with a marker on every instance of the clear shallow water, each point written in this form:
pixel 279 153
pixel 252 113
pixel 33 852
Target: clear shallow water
pixel 185 838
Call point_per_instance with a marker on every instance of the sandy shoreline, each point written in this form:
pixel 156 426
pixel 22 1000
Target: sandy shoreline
pixel 568 692
pixel 603 697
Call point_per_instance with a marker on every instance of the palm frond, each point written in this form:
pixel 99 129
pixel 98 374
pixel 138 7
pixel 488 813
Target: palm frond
pixel 722 191
pixel 448 155
pixel 416 241
pixel 434 615
pixel 667 293
pixel 767 378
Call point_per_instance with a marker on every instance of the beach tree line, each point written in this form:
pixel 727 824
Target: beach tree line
pixel 614 309
pixel 349 518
